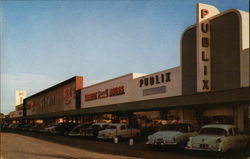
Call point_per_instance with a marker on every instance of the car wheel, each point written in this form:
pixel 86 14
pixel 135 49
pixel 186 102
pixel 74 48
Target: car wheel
pixel 119 138
pixel 136 136
pixel 182 145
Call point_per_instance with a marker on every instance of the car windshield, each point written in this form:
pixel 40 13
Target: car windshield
pixel 111 127
pixel 213 131
pixel 95 126
pixel 76 129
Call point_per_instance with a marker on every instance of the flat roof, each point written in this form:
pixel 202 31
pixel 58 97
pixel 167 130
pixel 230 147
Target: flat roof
pixel 53 87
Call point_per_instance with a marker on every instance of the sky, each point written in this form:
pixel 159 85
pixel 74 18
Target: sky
pixel 46 42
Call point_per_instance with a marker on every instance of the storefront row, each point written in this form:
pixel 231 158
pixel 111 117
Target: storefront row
pixel 150 121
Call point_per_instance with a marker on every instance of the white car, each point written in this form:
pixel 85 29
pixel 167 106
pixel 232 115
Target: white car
pixel 218 137
pixel 172 135
pixel 118 130
pixel 48 128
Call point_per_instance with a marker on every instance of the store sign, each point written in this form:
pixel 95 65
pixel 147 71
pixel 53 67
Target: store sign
pixel 30 104
pixel 47 101
pixel 68 95
pixel 18 108
pixel 105 93
pixel 204 12
pixel 20 95
pixel 154 80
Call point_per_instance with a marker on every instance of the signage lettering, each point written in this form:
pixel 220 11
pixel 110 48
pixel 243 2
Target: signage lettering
pixel 47 101
pixel 165 77
pixel 106 93
pixel 204 12
pixel 30 104
pixel 68 94
pixel 205 84
pixel 116 91
pixel 91 96
pixel 204 28
pixel 103 94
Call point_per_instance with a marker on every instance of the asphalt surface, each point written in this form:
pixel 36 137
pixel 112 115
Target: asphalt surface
pixel 30 145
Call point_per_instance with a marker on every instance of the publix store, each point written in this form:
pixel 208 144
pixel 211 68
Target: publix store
pixel 211 85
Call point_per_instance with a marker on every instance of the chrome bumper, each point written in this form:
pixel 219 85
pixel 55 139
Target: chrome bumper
pixel 203 149
pixel 161 143
pixel 105 137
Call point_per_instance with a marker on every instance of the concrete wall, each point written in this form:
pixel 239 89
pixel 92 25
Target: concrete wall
pixel 229 42
pixel 188 61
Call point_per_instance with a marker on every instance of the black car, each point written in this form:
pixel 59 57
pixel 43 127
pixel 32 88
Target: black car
pixel 63 128
pixel 79 129
pixel 93 130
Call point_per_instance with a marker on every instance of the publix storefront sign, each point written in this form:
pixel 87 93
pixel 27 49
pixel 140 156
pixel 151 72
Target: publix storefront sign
pixel 204 12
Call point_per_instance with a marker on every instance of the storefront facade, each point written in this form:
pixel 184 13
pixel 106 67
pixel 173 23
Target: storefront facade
pixel 211 85
pixel 61 97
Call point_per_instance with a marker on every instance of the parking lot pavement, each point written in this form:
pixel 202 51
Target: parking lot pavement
pixel 28 145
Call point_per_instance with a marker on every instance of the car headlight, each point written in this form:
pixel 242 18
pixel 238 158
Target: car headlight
pixel 189 139
pixel 149 137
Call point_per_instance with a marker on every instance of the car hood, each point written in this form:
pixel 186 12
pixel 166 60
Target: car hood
pixel 165 135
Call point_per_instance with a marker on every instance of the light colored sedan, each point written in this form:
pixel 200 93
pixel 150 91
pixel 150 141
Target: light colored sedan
pixel 118 130
pixel 218 137
pixel 172 135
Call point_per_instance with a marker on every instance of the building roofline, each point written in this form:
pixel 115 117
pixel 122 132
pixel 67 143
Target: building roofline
pixel 54 87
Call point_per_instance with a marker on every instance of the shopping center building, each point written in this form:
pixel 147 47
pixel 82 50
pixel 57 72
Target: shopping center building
pixel 210 86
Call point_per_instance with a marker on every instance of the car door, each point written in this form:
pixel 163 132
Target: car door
pixel 123 130
pixel 130 132
pixel 231 140
pixel 240 140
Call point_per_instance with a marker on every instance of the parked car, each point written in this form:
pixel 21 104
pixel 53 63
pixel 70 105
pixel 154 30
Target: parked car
pixel 19 126
pixel 35 127
pixel 79 129
pixel 172 135
pixel 63 128
pixel 218 137
pixel 10 126
pixel 92 130
pixel 38 127
pixel 26 127
pixel 118 130
pixel 5 126
pixel 48 128
pixel 14 126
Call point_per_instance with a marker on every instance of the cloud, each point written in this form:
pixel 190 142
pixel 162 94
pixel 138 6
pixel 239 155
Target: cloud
pixel 31 83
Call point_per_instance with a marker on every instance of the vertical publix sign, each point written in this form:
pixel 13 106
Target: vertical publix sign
pixel 204 13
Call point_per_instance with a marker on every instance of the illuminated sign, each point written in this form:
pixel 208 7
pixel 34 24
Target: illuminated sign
pixel 204 12
pixel 20 95
pixel 156 79
pixel 105 93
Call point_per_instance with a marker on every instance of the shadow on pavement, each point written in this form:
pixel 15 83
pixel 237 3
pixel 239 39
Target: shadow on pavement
pixel 51 156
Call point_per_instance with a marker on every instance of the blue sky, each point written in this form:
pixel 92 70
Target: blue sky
pixel 46 42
